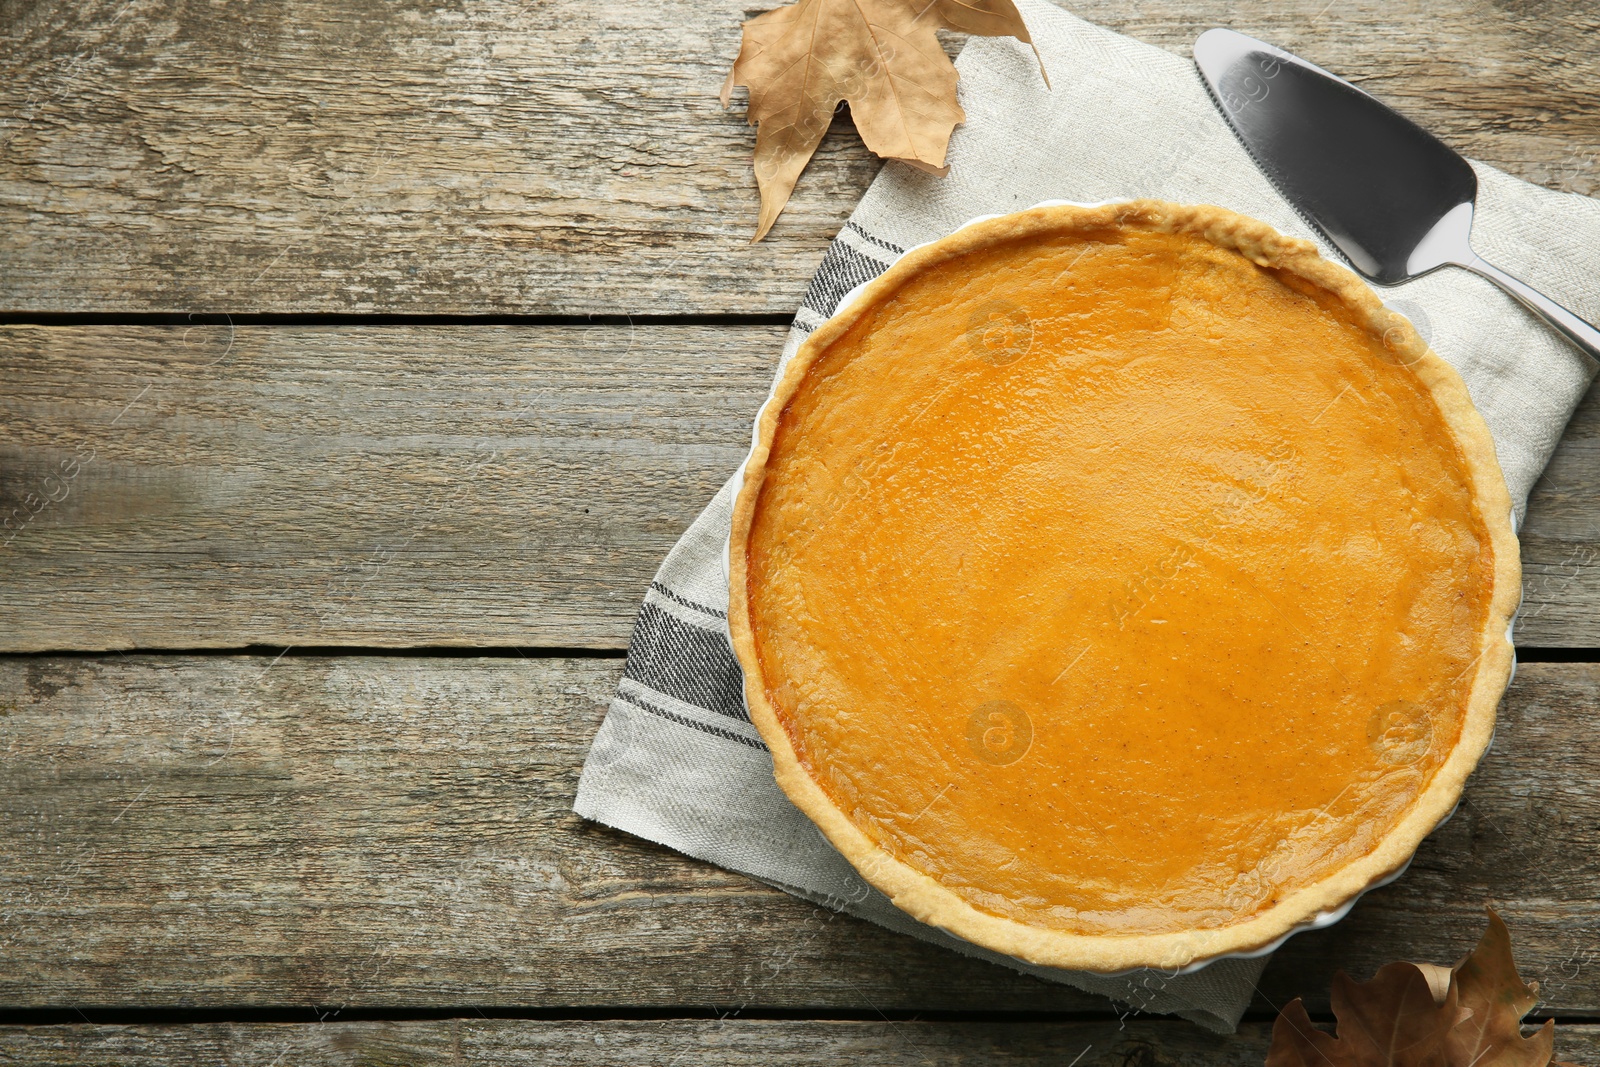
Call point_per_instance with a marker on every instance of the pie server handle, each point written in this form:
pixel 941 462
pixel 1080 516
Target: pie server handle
pixel 1581 332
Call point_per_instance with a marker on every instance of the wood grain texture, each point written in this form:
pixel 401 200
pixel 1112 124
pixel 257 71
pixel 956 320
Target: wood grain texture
pixel 463 486
pixel 395 832
pixel 411 486
pixel 611 1043
pixel 518 155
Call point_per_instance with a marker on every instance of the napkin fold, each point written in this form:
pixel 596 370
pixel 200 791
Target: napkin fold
pixel 676 759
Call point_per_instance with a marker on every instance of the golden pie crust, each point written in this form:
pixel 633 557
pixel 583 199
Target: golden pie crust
pixel 1122 586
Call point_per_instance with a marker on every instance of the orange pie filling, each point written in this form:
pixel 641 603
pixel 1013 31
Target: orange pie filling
pixel 1118 584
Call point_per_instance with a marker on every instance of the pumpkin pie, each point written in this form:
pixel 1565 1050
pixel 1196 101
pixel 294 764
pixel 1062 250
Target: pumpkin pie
pixel 1122 586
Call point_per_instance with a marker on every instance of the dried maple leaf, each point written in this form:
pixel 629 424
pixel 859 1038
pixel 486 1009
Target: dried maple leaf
pixel 1421 1015
pixel 881 56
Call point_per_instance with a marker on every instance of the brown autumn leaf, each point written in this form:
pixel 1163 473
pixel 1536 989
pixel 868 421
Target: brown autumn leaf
pixel 881 56
pixel 1492 1000
pixel 1420 1015
pixel 1391 1020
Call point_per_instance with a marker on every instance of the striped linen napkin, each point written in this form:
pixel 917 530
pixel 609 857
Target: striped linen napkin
pixel 676 759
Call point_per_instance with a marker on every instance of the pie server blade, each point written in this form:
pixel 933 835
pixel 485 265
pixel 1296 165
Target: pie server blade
pixel 1395 200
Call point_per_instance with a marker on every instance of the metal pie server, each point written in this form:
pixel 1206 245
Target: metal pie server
pixel 1393 198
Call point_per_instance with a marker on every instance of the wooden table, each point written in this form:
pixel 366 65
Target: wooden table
pixel 360 363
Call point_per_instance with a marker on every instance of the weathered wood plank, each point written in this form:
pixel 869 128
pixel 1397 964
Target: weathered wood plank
pixel 614 1043
pixel 397 486
pixel 471 486
pixel 759 1043
pixel 507 155
pixel 389 831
